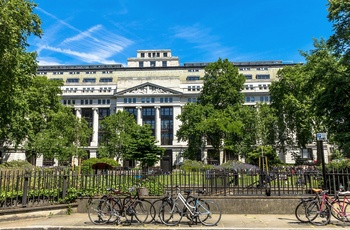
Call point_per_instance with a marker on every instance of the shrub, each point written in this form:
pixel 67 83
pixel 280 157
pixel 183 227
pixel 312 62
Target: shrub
pixel 192 166
pixel 86 166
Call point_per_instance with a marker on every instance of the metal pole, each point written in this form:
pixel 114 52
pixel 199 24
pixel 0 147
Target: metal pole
pixel 320 148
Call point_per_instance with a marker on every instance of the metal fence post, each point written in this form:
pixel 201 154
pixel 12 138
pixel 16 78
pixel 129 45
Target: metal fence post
pixel 25 191
pixel 64 187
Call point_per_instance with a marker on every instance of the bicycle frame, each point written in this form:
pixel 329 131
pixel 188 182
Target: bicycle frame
pixel 327 200
pixel 189 207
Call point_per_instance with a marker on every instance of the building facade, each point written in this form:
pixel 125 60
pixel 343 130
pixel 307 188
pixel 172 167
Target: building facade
pixel 154 87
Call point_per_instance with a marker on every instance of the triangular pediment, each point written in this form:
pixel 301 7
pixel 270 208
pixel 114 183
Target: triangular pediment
pixel 148 89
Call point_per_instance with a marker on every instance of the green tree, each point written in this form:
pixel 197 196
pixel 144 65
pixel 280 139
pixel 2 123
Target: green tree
pixel 190 130
pixel 64 137
pixel 329 77
pixel 261 152
pixel 17 67
pixel 222 85
pixel 214 119
pixel 291 101
pixel 117 130
pixel 339 15
pixel 142 147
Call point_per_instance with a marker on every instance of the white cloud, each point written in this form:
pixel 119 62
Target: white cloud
pixel 202 39
pixel 93 45
pixel 100 57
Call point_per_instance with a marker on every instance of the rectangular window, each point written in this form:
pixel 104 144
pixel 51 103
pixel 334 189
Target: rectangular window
pixel 125 100
pixel 164 63
pixel 152 63
pixel 148 111
pixel 193 78
pixel 106 79
pixel 89 80
pixel 140 63
pixel 165 54
pixel 142 55
pixel 248 76
pixel 263 76
pixel 72 80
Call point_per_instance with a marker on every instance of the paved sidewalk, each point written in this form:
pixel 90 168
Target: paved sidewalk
pixel 74 221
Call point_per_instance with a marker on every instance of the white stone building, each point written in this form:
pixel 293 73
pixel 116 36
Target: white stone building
pixel 154 87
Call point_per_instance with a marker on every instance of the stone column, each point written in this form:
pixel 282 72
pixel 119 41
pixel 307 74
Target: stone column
pixel 176 124
pixel 221 160
pixel 157 127
pixel 139 115
pixel 94 141
pixel 78 112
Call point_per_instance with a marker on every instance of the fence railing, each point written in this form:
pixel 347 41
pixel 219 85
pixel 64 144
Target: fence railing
pixel 53 186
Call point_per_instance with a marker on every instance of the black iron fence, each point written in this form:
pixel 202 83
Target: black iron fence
pixel 52 186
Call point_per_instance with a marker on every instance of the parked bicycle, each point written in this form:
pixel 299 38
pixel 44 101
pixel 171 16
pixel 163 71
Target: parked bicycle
pixel 112 208
pixel 172 210
pixel 319 211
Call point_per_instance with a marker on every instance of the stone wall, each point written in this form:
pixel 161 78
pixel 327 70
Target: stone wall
pixel 242 204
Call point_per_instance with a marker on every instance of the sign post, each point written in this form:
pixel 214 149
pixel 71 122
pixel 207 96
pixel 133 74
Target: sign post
pixel 320 138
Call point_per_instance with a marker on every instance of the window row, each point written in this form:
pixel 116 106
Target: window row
pixel 89 80
pixel 258 76
pixel 153 64
pixel 154 54
pixel 248 68
pixel 148 100
pixel 88 102
pixel 192 99
pixel 251 87
pixel 254 99
pixel 88 90
pixel 194 88
pixel 74 72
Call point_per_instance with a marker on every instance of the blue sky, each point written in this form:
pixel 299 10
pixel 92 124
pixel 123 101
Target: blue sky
pixel 110 31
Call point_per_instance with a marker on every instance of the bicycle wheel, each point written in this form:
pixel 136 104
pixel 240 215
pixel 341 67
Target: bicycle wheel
pixel 300 210
pixel 346 213
pixel 138 211
pixel 150 209
pixel 209 212
pixel 99 211
pixel 170 213
pixel 317 214
pixel 116 211
pixel 157 204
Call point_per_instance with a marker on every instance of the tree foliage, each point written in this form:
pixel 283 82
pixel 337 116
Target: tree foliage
pixel 291 99
pixel 222 85
pixel 256 157
pixel 117 129
pixel 64 137
pixel 142 147
pixel 339 15
pixel 17 66
pixel 123 138
pixel 215 118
